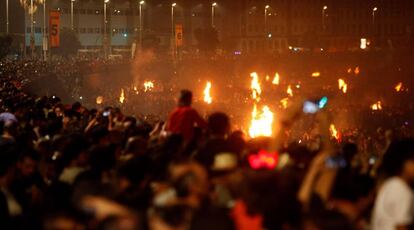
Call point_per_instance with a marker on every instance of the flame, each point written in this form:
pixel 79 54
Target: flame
pixel 99 100
pixel 349 70
pixel 267 78
pixel 334 132
pixel 342 85
pixel 135 88
pixel 289 91
pixel 255 86
pixel 356 71
pixel 207 97
pixel 261 124
pixel 148 86
pixel 316 74
pixel 276 79
pixel 399 87
pixel 122 96
pixel 284 102
pixel 377 106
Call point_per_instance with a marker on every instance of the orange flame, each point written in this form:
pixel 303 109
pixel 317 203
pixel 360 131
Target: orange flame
pixel 334 132
pixel 284 102
pixel 356 71
pixel 376 106
pixel 276 79
pixel 207 97
pixel 316 74
pixel 349 70
pixel 289 91
pixel 399 87
pixel 148 86
pixel 342 85
pixel 261 124
pixel 255 86
pixel 99 100
pixel 122 96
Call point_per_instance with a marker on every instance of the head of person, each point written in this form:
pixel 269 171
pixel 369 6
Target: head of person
pixel 185 98
pixel 27 164
pixel 399 160
pixel 219 124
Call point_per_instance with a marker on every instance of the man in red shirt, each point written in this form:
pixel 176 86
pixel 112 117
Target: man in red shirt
pixel 184 118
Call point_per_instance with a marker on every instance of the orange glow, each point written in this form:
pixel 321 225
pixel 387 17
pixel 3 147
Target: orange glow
pixel 207 97
pixel 99 100
pixel 376 106
pixel 289 91
pixel 276 79
pixel 284 102
pixel 255 87
pixel 342 85
pixel 148 86
pixel 122 96
pixel 316 74
pixel 334 132
pixel 399 87
pixel 356 71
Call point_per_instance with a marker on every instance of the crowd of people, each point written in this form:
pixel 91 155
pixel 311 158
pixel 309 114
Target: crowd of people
pixel 66 166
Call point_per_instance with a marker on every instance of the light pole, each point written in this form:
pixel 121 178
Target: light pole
pixel 374 10
pixel 32 38
pixel 141 4
pixel 71 13
pixel 213 6
pixel 44 42
pixel 265 18
pixel 324 8
pixel 7 16
pixel 105 40
pixel 173 29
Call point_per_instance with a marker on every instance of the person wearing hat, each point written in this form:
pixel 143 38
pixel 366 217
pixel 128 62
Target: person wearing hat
pixel 184 118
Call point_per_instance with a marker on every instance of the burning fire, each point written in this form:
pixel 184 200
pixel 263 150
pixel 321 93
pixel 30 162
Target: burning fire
pixel 342 85
pixel 207 97
pixel 399 87
pixel 356 71
pixel 289 91
pixel 276 79
pixel 377 106
pixel 284 102
pixel 349 70
pixel 316 74
pixel 122 96
pixel 148 86
pixel 334 132
pixel 99 100
pixel 261 123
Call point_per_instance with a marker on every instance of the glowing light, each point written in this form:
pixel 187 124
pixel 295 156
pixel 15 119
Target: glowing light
pixel 376 106
pixel 207 97
pixel 334 132
pixel 316 74
pixel 263 159
pixel 267 78
pixel 261 124
pixel 289 91
pixel 255 87
pixel 349 70
pixel 363 43
pixel 276 79
pixel 284 102
pixel 356 71
pixel 399 87
pixel 342 85
pixel 99 100
pixel 148 86
pixel 122 96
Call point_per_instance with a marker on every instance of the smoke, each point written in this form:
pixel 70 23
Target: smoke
pixel 141 66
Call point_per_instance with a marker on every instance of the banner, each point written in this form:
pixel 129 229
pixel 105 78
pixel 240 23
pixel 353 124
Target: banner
pixel 178 35
pixel 54 28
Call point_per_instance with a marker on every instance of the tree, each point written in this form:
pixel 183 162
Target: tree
pixel 207 39
pixel 69 43
pixel 5 45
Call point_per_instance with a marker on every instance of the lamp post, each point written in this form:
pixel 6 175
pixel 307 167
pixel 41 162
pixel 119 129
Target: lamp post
pixel 374 10
pixel 265 18
pixel 44 42
pixel 141 4
pixel 213 13
pixel 105 39
pixel 7 16
pixel 173 30
pixel 71 13
pixel 324 8
pixel 32 38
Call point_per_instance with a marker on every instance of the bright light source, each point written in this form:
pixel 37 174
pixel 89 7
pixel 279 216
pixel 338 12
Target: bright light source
pixel 375 9
pixel 214 4
pixel 325 7
pixel 174 4
pixel 267 7
pixel 106 1
pixel 363 44
pixel 125 35
pixel 269 35
pixel 141 2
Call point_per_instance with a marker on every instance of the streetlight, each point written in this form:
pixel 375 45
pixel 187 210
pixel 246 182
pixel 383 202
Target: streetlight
pixel 323 16
pixel 71 13
pixel 374 10
pixel 265 18
pixel 141 3
pixel 7 16
pixel 172 28
pixel 213 6
pixel 32 38
pixel 44 42
pixel 105 30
